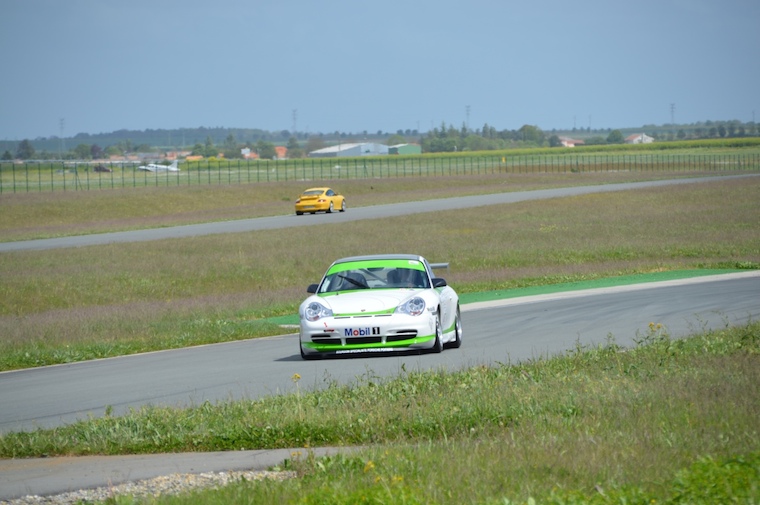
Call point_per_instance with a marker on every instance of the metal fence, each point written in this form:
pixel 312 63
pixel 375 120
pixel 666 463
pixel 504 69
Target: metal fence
pixel 72 176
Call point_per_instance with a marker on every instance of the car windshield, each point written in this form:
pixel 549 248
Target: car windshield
pixel 375 275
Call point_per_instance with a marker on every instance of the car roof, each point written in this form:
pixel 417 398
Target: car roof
pixel 380 257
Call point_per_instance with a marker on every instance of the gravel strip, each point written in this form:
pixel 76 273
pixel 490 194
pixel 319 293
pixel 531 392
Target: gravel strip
pixel 167 485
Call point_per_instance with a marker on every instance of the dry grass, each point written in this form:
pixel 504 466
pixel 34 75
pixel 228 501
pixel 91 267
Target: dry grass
pixel 25 216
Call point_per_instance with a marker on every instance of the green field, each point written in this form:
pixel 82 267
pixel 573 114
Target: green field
pixel 670 421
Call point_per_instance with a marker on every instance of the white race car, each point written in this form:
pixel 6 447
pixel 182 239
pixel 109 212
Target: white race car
pixel 381 303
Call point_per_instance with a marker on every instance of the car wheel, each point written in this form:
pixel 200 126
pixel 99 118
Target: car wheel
pixel 332 207
pixel 438 345
pixel 457 332
pixel 299 213
pixel 343 206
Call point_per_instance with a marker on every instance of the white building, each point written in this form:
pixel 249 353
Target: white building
pixel 639 138
pixel 350 150
pixel 568 142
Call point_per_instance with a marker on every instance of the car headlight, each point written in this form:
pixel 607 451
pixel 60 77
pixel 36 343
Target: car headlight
pixel 414 306
pixel 315 310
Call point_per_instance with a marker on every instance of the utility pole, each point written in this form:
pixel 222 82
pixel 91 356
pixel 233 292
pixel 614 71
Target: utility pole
pixel 295 121
pixel 673 114
pixel 467 114
pixel 61 142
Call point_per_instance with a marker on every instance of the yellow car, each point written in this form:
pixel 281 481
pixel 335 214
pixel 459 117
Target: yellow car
pixel 314 200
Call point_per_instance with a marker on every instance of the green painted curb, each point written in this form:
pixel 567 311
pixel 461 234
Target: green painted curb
pixel 623 280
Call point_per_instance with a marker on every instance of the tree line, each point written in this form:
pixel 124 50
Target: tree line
pixel 230 142
pixel 447 138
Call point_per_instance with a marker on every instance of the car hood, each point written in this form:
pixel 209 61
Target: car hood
pixel 368 301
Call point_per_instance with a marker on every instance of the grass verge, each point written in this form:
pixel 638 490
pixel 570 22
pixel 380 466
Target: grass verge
pixel 669 421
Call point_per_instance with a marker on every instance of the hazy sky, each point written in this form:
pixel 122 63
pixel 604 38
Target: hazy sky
pixel 350 65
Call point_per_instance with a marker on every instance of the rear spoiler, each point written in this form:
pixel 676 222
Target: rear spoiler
pixel 439 265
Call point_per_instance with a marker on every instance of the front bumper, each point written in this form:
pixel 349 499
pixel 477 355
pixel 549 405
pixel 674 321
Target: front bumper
pixel 349 335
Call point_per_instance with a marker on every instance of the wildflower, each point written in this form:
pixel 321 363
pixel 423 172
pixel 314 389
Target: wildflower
pixel 296 377
pixel 369 466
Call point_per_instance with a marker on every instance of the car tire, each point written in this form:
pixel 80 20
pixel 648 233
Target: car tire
pixel 331 208
pixel 457 342
pixel 438 344
pixel 299 213
pixel 343 206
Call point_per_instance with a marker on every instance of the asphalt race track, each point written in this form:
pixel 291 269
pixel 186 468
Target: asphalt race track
pixel 507 331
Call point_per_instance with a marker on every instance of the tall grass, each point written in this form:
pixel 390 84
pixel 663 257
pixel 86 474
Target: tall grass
pixel 71 304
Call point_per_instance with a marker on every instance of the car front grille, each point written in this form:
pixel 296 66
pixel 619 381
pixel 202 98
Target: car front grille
pixel 401 335
pixel 364 340
pixel 397 336
pixel 326 338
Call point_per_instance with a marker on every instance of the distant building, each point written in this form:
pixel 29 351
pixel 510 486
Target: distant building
pixel 405 149
pixel 350 150
pixel 639 138
pixel 568 142
pixel 281 152
pixel 175 155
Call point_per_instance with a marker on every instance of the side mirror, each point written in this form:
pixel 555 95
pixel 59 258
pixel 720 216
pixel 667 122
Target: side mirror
pixel 439 282
pixel 312 288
